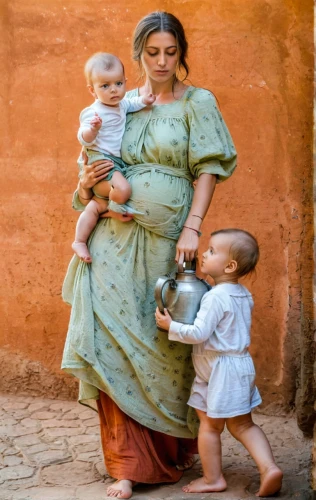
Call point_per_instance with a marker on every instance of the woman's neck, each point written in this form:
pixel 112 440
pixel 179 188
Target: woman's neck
pixel 165 92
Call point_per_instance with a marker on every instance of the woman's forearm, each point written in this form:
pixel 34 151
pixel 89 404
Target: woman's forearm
pixel 189 238
pixel 85 194
pixel 202 198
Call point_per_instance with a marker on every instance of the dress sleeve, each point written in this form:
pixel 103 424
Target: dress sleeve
pixel 76 203
pixel 211 148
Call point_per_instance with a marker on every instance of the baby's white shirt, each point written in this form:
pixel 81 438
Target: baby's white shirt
pixel 222 324
pixel 109 138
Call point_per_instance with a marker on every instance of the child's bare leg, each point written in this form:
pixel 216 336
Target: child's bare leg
pixel 102 189
pixel 85 224
pixel 120 189
pixel 255 441
pixel 210 450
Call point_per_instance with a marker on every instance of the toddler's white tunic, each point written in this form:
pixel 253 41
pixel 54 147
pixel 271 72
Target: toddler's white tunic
pixel 224 385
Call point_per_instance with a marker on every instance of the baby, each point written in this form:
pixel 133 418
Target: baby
pixel 101 130
pixel 224 390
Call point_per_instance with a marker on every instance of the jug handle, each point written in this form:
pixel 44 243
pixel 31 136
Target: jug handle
pixel 161 282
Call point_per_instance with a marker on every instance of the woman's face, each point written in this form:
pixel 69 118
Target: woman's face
pixel 160 57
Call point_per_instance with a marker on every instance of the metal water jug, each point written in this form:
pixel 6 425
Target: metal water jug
pixel 181 295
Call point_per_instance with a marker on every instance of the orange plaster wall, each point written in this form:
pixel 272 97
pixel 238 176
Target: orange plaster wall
pixel 257 58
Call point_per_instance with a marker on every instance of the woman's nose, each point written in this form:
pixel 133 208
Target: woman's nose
pixel 162 60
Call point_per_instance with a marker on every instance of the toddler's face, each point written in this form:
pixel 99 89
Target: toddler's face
pixel 217 256
pixel 109 86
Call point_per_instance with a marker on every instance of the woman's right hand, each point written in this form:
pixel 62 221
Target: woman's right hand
pixel 92 174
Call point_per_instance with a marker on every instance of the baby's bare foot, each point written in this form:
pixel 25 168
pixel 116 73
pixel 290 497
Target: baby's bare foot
pixel 82 251
pixel 271 482
pixel 121 489
pixel 202 486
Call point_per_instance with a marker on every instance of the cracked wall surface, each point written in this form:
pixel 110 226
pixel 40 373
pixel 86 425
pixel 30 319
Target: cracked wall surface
pixel 257 59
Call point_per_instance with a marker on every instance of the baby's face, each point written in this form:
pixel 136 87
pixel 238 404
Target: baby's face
pixel 109 86
pixel 217 256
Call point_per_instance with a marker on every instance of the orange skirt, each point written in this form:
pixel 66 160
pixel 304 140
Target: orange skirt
pixel 132 451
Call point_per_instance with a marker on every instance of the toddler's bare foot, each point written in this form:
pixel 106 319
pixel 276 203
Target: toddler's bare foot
pixel 200 485
pixel 123 488
pixel 82 251
pixel 271 482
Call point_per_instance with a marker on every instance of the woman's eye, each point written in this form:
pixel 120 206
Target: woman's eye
pixel 153 54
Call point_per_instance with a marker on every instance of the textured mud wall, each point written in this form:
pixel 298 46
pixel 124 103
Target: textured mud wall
pixel 257 58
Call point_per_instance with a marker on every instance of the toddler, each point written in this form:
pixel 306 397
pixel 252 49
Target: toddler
pixel 101 130
pixel 224 390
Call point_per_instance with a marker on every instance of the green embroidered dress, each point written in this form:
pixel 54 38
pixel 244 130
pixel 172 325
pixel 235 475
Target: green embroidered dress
pixel 113 343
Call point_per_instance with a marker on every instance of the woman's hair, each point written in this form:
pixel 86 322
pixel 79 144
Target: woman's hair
pixel 161 22
pixel 244 250
pixel 101 61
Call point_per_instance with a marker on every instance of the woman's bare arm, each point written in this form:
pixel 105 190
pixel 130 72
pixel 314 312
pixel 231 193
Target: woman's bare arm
pixel 189 238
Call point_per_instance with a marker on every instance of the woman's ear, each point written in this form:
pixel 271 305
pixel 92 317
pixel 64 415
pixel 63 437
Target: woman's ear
pixel 231 267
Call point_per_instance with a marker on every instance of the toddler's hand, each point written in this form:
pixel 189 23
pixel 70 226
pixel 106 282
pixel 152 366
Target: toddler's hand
pixel 148 99
pixel 163 320
pixel 96 122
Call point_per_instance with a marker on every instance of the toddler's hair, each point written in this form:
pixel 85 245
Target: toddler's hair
pixel 244 250
pixel 101 61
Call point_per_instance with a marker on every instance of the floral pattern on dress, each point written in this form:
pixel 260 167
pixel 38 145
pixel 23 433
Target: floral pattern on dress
pixel 113 343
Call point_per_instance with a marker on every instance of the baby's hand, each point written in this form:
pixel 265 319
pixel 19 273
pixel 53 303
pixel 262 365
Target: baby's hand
pixel 96 122
pixel 163 320
pixel 148 99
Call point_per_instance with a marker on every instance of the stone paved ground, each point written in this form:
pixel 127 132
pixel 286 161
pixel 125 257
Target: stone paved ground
pixel 50 450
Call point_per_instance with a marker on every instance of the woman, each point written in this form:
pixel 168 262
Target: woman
pixel 141 381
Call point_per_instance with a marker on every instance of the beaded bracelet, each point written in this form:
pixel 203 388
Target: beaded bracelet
pixel 195 230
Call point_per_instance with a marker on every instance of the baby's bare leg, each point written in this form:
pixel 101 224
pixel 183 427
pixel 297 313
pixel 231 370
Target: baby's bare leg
pixel 85 225
pixel 255 441
pixel 120 189
pixel 102 188
pixel 210 450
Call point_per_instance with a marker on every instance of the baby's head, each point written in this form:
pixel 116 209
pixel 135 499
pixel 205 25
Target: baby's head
pixel 232 254
pixel 105 78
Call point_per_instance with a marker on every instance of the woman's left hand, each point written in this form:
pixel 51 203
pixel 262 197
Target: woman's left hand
pixel 187 246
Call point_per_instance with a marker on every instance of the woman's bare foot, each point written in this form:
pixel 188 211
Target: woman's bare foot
pixel 202 486
pixel 123 488
pixel 82 251
pixel 188 464
pixel 271 482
